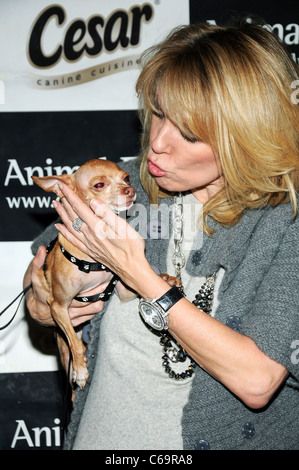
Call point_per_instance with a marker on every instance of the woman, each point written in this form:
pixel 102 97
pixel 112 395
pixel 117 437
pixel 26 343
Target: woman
pixel 220 145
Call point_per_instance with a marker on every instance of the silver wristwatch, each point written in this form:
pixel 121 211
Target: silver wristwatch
pixel 155 311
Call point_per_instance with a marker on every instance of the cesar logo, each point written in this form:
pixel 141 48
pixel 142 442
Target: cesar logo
pixel 90 37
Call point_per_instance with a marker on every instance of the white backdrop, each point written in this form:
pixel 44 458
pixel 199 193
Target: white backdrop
pixel 21 77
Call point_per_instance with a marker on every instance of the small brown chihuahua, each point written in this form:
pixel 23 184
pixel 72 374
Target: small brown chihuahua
pixel 68 273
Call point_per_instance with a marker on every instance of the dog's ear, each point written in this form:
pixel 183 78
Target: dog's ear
pixel 50 183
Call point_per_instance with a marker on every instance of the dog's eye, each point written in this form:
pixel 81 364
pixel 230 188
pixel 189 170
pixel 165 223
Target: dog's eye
pixel 99 185
pixel 127 179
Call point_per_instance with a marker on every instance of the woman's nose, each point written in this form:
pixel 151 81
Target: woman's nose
pixel 161 137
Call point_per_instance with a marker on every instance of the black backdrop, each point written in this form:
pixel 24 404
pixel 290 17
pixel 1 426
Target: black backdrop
pixel 61 138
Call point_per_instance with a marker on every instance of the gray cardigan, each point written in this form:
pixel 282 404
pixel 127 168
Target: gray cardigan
pixel 259 297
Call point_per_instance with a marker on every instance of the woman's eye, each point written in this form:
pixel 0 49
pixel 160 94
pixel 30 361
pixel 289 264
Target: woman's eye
pixel 99 185
pixel 158 115
pixel 189 139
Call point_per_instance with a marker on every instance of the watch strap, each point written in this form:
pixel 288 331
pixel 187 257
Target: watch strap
pixel 171 297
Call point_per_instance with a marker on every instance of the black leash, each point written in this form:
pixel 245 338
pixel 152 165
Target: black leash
pixel 22 294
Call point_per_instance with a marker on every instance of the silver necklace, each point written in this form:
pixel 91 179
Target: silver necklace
pixel 172 351
pixel 178 258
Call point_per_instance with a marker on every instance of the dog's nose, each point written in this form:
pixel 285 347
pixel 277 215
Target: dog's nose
pixel 128 191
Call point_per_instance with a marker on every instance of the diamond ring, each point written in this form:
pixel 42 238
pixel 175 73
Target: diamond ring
pixel 77 223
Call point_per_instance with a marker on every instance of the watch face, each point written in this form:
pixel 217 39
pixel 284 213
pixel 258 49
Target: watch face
pixel 151 315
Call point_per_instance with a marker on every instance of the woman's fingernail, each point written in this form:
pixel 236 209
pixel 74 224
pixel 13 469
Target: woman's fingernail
pixel 97 207
pixel 93 203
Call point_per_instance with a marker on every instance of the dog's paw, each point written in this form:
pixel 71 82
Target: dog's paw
pixel 80 376
pixel 171 280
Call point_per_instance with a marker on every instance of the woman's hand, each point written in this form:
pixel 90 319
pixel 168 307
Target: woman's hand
pixel 104 236
pixel 36 297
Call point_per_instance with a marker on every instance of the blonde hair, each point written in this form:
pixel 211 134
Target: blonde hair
pixel 229 86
